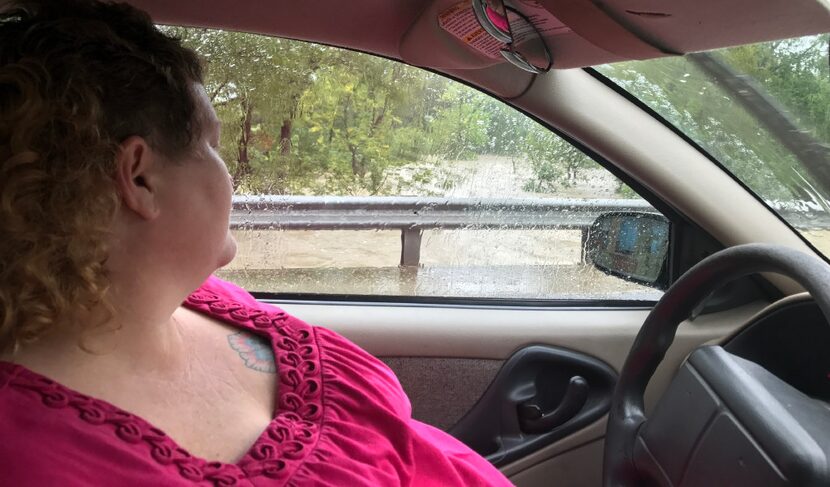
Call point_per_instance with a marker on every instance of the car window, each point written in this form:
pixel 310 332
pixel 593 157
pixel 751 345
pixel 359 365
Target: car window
pixel 357 175
pixel 762 110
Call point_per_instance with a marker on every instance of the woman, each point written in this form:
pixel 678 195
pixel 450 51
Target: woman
pixel 123 361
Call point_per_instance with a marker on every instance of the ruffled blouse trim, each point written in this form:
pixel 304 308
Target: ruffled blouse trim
pixel 280 449
pixel 296 428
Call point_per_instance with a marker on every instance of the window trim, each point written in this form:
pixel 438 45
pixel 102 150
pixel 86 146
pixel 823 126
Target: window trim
pixel 448 302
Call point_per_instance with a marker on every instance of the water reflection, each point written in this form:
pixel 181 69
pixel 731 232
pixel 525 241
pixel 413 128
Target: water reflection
pixel 578 281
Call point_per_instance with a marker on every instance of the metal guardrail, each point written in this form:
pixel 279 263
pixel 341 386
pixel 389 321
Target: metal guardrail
pixel 386 213
pixel 413 215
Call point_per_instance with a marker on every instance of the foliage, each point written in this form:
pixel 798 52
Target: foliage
pixel 508 129
pixel 459 130
pixel 300 118
pixel 794 72
pixel 555 162
pixel 352 125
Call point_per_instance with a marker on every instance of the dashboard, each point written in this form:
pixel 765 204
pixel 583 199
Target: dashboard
pixel 792 341
pixel 753 411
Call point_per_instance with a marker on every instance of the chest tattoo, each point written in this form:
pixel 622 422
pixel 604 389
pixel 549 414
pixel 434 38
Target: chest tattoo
pixel 255 351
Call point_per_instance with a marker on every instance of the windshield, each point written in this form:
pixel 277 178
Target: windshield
pixel 762 110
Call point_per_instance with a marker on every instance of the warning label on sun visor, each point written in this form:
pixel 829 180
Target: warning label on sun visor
pixel 460 21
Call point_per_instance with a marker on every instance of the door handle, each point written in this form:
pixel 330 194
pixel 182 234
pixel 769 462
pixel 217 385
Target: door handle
pixel 533 420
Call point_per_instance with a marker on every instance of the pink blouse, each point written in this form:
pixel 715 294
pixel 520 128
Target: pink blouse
pixel 342 420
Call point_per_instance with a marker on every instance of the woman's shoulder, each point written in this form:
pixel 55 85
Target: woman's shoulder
pixel 346 367
pixel 227 291
pixel 337 352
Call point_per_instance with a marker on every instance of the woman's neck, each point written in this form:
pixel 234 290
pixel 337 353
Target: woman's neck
pixel 142 334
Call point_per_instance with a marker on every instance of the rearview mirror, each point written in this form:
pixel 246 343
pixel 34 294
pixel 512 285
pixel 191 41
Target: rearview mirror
pixel 630 245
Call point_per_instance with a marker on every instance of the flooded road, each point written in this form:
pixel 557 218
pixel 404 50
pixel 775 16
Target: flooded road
pixel 526 264
pixel 495 263
pixel 505 282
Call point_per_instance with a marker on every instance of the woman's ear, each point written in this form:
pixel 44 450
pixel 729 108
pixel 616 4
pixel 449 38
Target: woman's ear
pixel 136 164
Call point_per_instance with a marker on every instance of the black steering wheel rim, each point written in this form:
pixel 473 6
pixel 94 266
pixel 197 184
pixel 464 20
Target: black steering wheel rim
pixel 627 414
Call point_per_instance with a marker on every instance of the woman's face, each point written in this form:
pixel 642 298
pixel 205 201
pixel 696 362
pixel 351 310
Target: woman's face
pixel 199 198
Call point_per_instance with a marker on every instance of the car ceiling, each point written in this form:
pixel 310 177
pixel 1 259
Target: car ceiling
pixel 599 31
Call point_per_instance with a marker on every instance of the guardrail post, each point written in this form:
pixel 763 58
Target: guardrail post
pixel 583 245
pixel 411 246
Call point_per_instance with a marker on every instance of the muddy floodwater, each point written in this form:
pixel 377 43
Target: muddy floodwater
pixel 520 264
pixel 523 264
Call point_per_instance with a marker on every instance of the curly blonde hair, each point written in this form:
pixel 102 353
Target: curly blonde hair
pixel 76 79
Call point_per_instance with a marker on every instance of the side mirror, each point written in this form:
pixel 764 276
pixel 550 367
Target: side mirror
pixel 630 245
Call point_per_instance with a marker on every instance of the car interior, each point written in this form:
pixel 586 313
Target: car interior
pixel 724 381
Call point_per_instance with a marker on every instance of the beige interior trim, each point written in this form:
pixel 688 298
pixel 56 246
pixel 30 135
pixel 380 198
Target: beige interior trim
pixel 785 301
pixel 589 434
pixel 366 25
pixel 426 44
pixel 466 332
pixel 702 25
pixel 601 31
pixel 409 331
pixel 577 467
pixel 406 331
pixel 503 80
pixel 772 307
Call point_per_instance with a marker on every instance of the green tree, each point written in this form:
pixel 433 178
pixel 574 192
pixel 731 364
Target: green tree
pixel 508 128
pixel 353 125
pixel 688 98
pixel 461 124
pixel 795 72
pixel 255 84
pixel 555 162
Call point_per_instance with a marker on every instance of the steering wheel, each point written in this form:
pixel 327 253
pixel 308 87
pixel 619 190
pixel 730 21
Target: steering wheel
pixel 742 396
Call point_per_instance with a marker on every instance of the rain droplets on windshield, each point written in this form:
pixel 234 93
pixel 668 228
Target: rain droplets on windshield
pixel 762 110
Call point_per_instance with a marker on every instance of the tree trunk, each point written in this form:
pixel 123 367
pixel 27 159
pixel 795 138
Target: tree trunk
pixel 358 167
pixel 243 162
pixel 285 137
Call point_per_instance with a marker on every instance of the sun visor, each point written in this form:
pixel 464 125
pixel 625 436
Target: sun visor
pixel 503 80
pixel 446 36
pixel 703 25
pixel 442 38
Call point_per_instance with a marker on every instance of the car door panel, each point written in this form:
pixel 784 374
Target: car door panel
pixel 541 394
pixel 447 357
pixel 576 467
pixel 446 388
